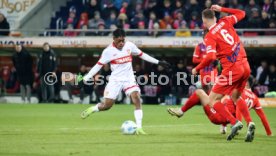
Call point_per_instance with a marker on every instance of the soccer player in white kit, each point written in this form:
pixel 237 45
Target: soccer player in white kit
pixel 119 55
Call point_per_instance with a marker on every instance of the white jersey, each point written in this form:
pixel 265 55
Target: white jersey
pixel 120 61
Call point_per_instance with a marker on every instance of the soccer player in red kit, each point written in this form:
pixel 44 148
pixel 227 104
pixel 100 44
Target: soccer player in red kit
pixel 207 75
pixel 223 43
pixel 252 102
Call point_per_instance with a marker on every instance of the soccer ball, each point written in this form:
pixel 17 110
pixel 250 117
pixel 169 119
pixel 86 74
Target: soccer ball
pixel 128 127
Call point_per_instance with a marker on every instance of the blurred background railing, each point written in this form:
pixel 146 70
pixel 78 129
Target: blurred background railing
pixel 130 32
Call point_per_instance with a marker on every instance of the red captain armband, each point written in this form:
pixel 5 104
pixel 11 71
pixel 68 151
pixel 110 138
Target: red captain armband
pixel 140 54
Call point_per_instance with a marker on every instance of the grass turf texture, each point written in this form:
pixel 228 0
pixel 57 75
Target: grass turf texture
pixel 34 130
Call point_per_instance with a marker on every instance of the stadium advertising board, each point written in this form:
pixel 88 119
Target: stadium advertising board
pixel 14 10
pixel 268 102
pixel 144 42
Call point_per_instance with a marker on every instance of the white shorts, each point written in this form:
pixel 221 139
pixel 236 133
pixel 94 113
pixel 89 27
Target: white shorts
pixel 113 88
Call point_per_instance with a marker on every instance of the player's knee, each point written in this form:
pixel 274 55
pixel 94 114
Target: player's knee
pixel 199 92
pixel 135 96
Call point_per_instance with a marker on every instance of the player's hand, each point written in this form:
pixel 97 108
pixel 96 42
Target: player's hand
pixel 164 64
pixel 216 8
pixel 194 72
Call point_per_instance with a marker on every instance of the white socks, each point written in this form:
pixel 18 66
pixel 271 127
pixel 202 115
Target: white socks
pixel 95 108
pixel 138 114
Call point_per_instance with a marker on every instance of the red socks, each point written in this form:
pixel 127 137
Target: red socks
pixel 192 101
pixel 242 107
pixel 223 111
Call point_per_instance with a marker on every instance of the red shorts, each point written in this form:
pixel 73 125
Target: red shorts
pixel 213 116
pixel 232 78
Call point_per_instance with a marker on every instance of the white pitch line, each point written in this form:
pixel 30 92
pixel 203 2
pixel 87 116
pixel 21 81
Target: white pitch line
pixel 101 128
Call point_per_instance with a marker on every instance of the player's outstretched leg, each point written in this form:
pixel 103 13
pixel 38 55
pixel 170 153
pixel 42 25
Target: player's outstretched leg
pixel 88 111
pixel 192 101
pixel 238 126
pixel 250 132
pixel 175 112
pixel 108 103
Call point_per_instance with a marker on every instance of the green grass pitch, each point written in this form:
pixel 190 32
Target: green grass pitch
pixel 37 130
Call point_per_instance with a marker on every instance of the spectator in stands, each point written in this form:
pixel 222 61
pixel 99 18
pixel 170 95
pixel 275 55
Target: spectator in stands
pixel 264 20
pixel 266 5
pixel 83 24
pixel 151 6
pixel 72 17
pixel 166 23
pixel 123 21
pixel 47 65
pixel 179 7
pixel 92 7
pixel 69 31
pixel 254 20
pixel 260 70
pixel 112 27
pixel 180 90
pixel 111 20
pixel 94 22
pixel 235 4
pixel 167 7
pixel 272 11
pixel 251 7
pixel 4 25
pixel 101 28
pixel 107 6
pixel 139 17
pixel 183 33
pixel 57 86
pixel 141 26
pixel 193 7
pixel 83 20
pixel 222 3
pixel 23 63
pixel 195 23
pixel 178 20
pixel 84 29
pixel 208 3
pixel 118 4
pixel 126 8
pixel 164 89
pixel 272 25
pixel 272 77
pixel 264 79
pixel 153 24
pixel 87 89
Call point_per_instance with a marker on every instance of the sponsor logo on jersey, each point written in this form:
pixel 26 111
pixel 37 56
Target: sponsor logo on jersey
pixel 122 60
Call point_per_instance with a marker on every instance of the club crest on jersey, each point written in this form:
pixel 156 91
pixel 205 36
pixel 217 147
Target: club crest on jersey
pixel 208 48
pixel 128 51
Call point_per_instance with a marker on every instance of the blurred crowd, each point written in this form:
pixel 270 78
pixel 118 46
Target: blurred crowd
pixel 163 14
pixel 149 15
pixel 28 78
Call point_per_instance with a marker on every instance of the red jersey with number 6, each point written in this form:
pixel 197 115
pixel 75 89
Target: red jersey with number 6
pixel 225 42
